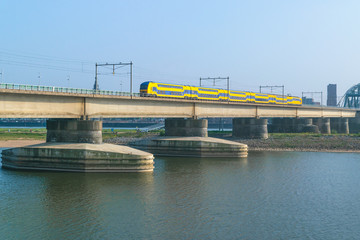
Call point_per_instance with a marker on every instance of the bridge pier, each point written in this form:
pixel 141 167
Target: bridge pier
pixel 305 125
pixel 293 125
pixel 250 128
pixel 323 125
pixel 189 137
pixel 76 146
pixel 76 131
pixel 340 125
pixel 282 125
pixel 354 125
pixel 186 127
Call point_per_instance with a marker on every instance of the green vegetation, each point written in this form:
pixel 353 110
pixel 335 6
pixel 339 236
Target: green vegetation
pixel 22 133
pixel 40 133
pixel 129 133
pixel 275 141
pixel 306 141
pixel 219 134
pixel 291 135
pixel 299 141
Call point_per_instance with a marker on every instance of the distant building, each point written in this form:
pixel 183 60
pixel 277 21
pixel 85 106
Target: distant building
pixel 309 101
pixel 331 95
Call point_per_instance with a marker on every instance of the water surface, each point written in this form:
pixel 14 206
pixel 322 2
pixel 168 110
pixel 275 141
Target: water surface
pixel 269 195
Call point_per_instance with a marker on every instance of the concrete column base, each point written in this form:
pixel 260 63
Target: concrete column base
pixel 354 125
pixel 193 147
pixel 294 125
pixel 323 125
pixel 282 125
pixel 78 157
pixel 340 125
pixel 250 128
pixel 76 146
pixel 305 125
pixel 186 127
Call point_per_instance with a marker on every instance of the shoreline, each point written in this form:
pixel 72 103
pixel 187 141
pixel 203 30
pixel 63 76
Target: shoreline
pixel 301 150
pixel 304 143
pixel 296 143
pixel 19 143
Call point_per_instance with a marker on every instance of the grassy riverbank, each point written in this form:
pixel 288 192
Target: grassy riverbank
pixel 40 134
pixel 299 142
pixel 22 133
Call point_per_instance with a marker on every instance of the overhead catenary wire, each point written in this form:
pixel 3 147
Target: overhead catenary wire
pixel 34 60
pixel 43 57
pixel 39 61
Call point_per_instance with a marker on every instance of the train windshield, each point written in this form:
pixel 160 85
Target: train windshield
pixel 144 85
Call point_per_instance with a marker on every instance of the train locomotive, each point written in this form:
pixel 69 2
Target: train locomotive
pixel 153 89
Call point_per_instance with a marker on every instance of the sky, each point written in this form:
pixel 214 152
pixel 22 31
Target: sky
pixel 301 44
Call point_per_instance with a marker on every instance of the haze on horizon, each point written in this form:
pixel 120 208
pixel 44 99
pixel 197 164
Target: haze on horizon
pixel 302 44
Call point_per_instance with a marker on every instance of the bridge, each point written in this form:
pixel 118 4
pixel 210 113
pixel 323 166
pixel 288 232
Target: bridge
pixel 27 101
pixel 24 101
pixel 70 129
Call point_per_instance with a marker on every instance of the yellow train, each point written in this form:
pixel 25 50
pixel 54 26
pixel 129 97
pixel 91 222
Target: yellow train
pixel 153 89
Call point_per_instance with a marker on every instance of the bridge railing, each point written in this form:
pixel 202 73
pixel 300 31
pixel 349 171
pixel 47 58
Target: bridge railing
pixel 63 90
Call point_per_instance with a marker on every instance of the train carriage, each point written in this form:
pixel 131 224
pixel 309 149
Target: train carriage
pixel 280 99
pixel 153 89
pixel 238 96
pixel 261 98
pixel 207 93
pixel 294 100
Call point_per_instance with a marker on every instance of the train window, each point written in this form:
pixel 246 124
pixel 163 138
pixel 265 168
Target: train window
pixel 208 90
pixel 169 86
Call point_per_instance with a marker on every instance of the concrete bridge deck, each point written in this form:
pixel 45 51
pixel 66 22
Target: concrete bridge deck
pixel 41 104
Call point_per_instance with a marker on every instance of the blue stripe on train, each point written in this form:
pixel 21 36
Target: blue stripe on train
pixel 246 98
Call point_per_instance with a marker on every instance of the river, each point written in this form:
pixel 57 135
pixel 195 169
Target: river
pixel 269 195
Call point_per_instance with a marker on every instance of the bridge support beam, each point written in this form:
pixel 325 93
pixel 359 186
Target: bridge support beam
pixel 340 125
pixel 250 128
pixel 323 125
pixel 186 127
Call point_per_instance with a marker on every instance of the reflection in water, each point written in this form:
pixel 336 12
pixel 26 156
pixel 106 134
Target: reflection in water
pixel 274 195
pixel 94 204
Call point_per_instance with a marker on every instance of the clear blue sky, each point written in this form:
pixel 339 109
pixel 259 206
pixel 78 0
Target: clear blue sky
pixel 302 44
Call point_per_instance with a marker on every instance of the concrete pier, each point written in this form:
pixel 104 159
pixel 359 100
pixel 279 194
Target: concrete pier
pixel 293 125
pixel 186 127
pixel 76 146
pixel 72 130
pixel 354 125
pixel 306 125
pixel 282 125
pixel 193 147
pixel 250 128
pixel 340 125
pixel 323 125
pixel 78 157
pixel 189 137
